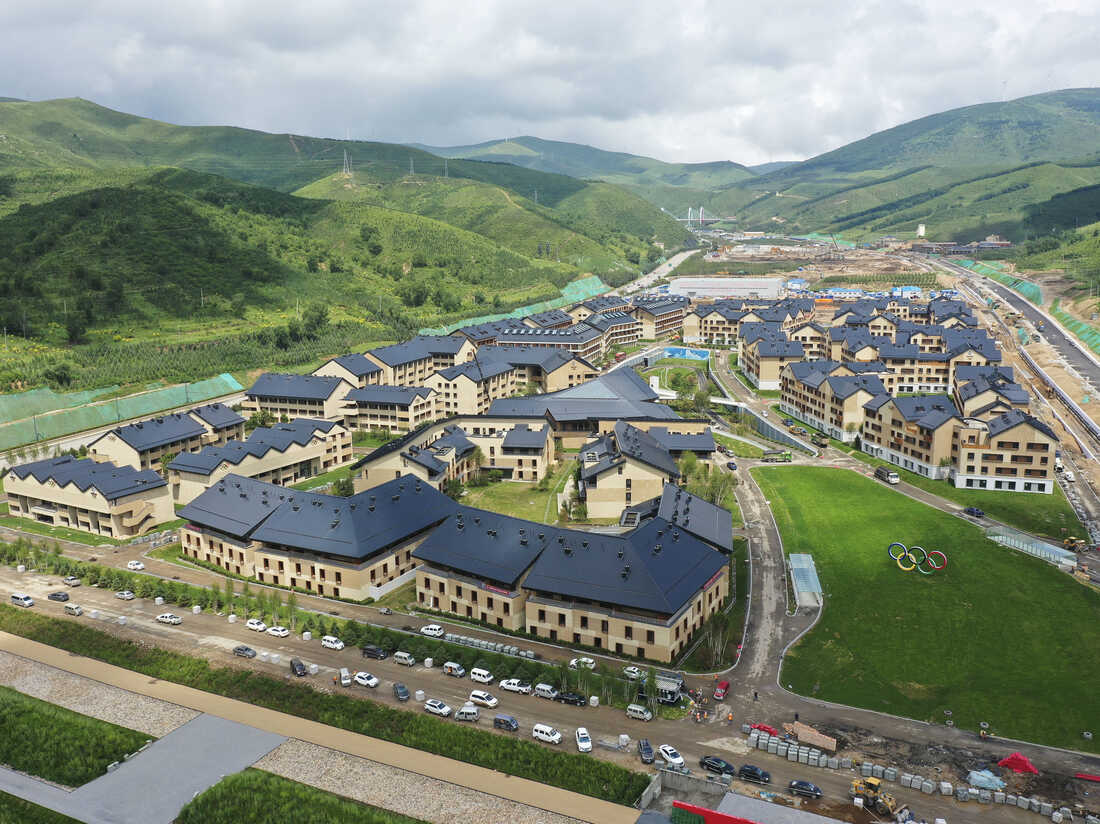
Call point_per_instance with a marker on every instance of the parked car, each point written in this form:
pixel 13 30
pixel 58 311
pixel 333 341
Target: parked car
pixel 125 595
pixel 58 596
pixel 331 642
pixel 633 673
pixel 365 679
pixel 572 698
pixel 297 667
pixel 584 740
pixel 400 691
pixel 974 512
pixel 256 625
pixel 432 630
pixel 788 422
pixel 670 755
pixel 764 412
pixel 71 581
pixel 437 707
pixel 544 732
pixel 385 611
pixel 731 466
pixel 169 618
pixel 371 651
pixel 278 632
pixel 483 698
pixel 136 566
pixel 805 789
pixel 587 663
pixel 645 751
pixel 719 766
pixel 721 690
pixel 244 651
pixel 21 599
pixel 750 772
pixel 515 685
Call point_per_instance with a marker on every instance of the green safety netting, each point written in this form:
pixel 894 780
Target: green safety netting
pixel 36 401
pixel 680 816
pixel 1088 334
pixel 571 293
pixel 996 271
pixel 847 244
pixel 92 415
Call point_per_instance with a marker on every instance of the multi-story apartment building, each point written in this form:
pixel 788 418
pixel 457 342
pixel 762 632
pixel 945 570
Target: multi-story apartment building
pixel 392 408
pixel 814 339
pixel 298 396
pixel 485 334
pixel 550 319
pixel 619 329
pixel 541 368
pixel 715 324
pixel 595 306
pixel 762 361
pixel 581 339
pixel 355 368
pixel 1012 452
pixel 142 445
pixel 468 388
pixel 96 497
pixel 829 396
pixel 411 363
pixel 987 391
pixel 914 433
pixel 283 454
pixel 660 318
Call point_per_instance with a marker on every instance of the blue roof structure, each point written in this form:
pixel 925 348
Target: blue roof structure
pixel 155 432
pixel 263 440
pixel 112 482
pixel 488 331
pixel 419 348
pixel 298 387
pixel 927 411
pixel 486 545
pixel 553 317
pixel 547 358
pixel 699 442
pixel 475 370
pixel 218 416
pixel 522 436
pixel 396 395
pixel 774 348
pixel 693 514
pixel 604 303
pixel 660 307
pixel 621 394
pixel 357 364
pixel 1015 418
pixel 235 505
pixel 573 335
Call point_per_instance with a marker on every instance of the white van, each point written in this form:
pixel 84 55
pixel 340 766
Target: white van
pixel 545 691
pixel 468 712
pixel 404 658
pixel 73 609
pixel 544 732
pixel 453 669
pixel 345 677
pixel 888 475
pixel 639 712
pixel 21 599
pixel 482 676
pixel 331 642
pixel 1068 477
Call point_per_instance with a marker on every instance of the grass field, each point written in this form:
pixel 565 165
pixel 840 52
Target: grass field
pixel 997 636
pixel 1038 514
pixel 399 598
pixel 61 533
pixel 739 447
pixel 14 810
pixel 522 500
pixel 57 744
pixel 325 478
pixel 257 797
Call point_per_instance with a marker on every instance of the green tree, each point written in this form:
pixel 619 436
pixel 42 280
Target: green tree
pixel 343 487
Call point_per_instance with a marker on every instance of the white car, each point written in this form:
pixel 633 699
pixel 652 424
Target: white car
pixel 125 595
pixel 764 412
pixel 437 707
pixel 256 625
pixel 584 740
pixel 135 565
pixel 670 755
pixel 278 632
pixel 587 663
pixel 483 699
pixel 633 673
pixel 515 685
pixel 331 642
pixel 169 618
pixel 365 679
pixel 432 630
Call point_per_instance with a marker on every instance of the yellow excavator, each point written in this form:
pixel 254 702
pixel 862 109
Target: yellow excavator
pixel 1075 544
pixel 874 799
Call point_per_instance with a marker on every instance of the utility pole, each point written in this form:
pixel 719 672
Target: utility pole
pixel 202 298
pixel 445 167
pixel 411 165
pixel 536 196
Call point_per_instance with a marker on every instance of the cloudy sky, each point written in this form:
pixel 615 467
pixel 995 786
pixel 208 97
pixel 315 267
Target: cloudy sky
pixel 690 81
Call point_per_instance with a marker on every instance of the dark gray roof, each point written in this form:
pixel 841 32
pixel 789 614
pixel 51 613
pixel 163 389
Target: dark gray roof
pixel 548 358
pixel 660 307
pixel 429 457
pixel 419 348
pixel 112 482
pixel 878 402
pixel 620 394
pixel 966 372
pixel 576 334
pixel 701 442
pixel 262 441
pixel 927 411
pixel 609 320
pixel 522 436
pixel 358 527
pixel 357 363
pixel 604 303
pixel 773 348
pixel 755 330
pixel 218 415
pixel 476 370
pixel 485 545
pixel 299 387
pixel 489 330
pixel 1015 418
pixel 728 312
pixel 396 395
pixel 150 434
pixel 844 386
pixel 553 317
pixel 693 514
pixel 235 505
pixel 1011 392
pixel 644 447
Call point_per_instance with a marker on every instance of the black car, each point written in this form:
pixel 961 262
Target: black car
pixel 714 764
pixel 645 750
pixel 371 651
pixel 245 652
pixel 58 596
pixel 804 788
pixel 749 772
pixel 731 466
pixel 974 512
pixel 400 692
pixel 297 667
pixel 573 698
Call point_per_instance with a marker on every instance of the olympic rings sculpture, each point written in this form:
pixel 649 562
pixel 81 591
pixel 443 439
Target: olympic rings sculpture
pixel 907 559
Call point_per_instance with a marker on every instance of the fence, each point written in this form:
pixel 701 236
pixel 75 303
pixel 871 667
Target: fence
pixel 574 292
pixel 1050 553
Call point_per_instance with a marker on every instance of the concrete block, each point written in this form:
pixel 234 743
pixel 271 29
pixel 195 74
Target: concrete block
pixel 275 658
pixel 803 758
pixel 773 747
pixel 762 744
pixel 754 736
pixel 998 797
pixel 1056 817
pixel 1010 800
pixel 781 749
pixel 917 781
pixel 264 657
pixel 1035 803
pixel 21 568
pixel 158 601
pixel 792 754
pixel 307 636
pixel 906 779
pixel 946 788
pixel 834 763
pixel 877 770
pixel 745 728
pixel 122 620
pixel 846 763
pixel 314 669
pixel 419 696
pixel 196 609
pixel 985 797
pixel 1023 802
pixel 927 786
pixel 865 769
pixel 1046 809
pixel 232 618
pixel 890 774
pixel 962 794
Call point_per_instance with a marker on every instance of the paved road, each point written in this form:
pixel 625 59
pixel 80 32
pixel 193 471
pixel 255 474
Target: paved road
pixel 644 282
pixel 154 786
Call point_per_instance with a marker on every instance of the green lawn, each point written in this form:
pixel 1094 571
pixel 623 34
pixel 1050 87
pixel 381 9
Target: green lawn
pixel 258 797
pixel 324 478
pixel 398 598
pixel 1038 514
pixel 739 447
pixel 520 499
pixel 997 636
pixel 760 393
pixel 57 744
pixel 365 437
pixel 14 810
pixel 61 533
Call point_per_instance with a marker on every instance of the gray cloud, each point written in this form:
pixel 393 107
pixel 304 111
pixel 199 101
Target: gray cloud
pixel 693 81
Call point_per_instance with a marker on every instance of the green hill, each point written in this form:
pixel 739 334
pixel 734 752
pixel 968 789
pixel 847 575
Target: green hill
pixel 588 162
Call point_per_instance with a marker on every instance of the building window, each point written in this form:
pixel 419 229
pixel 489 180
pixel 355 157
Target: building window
pixel 603 626
pixel 542 616
pixel 561 619
pixel 489 602
pixel 584 622
pixel 628 633
pixel 442 587
pixel 507 608
pixel 649 637
pixel 458 591
pixel 339 577
pixel 454 607
pixel 641 652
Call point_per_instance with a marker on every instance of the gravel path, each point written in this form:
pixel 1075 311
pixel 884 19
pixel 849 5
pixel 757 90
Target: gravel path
pixel 397 790
pixel 137 712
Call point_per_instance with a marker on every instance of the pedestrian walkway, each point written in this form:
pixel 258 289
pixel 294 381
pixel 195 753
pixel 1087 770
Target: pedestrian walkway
pixel 154 786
